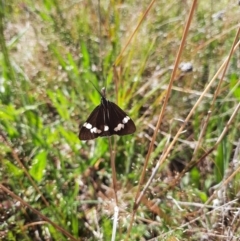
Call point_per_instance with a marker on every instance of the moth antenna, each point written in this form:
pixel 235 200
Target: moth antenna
pixel 100 93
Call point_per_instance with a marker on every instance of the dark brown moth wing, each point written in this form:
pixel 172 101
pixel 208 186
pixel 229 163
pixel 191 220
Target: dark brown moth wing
pixel 91 129
pixel 119 122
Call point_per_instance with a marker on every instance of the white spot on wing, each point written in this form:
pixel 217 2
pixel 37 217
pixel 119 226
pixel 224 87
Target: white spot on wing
pixel 125 119
pixel 95 130
pixel 119 127
pixel 106 128
pixel 87 125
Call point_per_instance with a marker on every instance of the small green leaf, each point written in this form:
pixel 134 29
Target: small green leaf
pixel 234 86
pixel 203 196
pixel 12 169
pixel 195 176
pixel 38 166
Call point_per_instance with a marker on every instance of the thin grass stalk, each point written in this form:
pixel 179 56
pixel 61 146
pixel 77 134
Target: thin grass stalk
pixel 236 220
pixel 3 45
pixel 115 80
pixel 114 186
pixel 115 222
pixel 100 63
pixel 114 176
pixel 137 200
pixel 119 58
pixel 139 196
pixel 63 231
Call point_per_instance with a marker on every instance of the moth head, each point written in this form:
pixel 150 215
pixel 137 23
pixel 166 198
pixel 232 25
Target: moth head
pixel 103 92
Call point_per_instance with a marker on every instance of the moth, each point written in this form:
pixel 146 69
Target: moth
pixel 106 119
